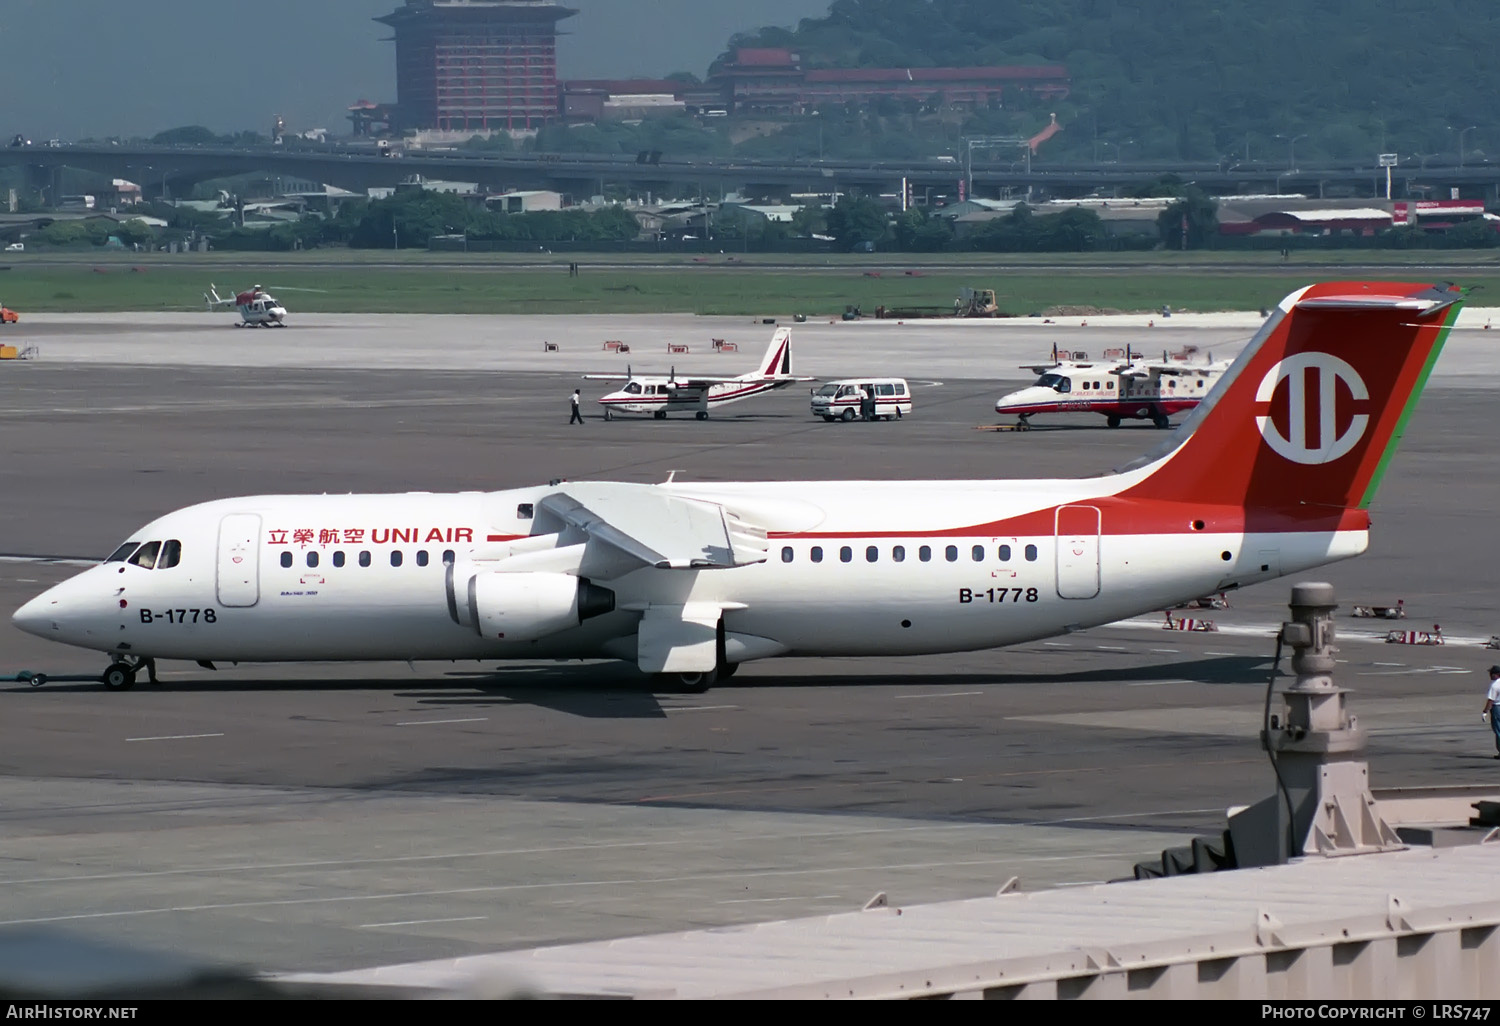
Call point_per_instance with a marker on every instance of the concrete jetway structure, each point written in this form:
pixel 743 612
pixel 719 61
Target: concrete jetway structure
pixel 1423 923
pixel 1355 897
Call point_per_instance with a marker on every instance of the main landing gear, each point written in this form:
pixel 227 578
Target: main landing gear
pixel 120 675
pixel 698 683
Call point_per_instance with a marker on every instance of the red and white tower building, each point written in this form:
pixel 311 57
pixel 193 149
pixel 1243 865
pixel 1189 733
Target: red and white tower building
pixel 469 65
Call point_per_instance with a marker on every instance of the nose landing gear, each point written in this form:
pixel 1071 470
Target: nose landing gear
pixel 120 675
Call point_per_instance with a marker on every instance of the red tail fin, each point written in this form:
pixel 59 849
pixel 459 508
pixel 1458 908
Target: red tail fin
pixel 1313 408
pixel 778 355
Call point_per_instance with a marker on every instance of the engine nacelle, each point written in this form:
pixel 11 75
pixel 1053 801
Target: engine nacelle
pixel 528 606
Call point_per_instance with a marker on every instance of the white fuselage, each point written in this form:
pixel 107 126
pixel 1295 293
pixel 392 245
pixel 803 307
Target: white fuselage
pixel 655 395
pixel 281 578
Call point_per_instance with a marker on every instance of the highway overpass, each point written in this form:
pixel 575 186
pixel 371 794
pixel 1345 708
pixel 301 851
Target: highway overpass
pixel 175 169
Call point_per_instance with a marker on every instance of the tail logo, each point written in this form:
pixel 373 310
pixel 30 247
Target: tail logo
pixel 1312 408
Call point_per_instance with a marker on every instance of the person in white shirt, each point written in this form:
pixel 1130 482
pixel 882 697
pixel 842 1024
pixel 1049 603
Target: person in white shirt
pixel 1491 700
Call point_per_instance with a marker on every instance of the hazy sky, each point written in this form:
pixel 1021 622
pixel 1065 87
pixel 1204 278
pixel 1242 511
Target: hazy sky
pixel 74 68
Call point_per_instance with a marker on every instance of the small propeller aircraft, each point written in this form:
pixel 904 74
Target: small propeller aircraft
pixel 662 394
pixel 257 307
pixel 1120 386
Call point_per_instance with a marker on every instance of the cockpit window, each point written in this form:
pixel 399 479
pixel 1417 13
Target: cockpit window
pixel 171 554
pixel 146 555
pixel 118 556
pixel 633 388
pixel 1057 382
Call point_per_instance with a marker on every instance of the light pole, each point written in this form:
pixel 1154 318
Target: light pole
pixel 1461 134
pixel 1291 150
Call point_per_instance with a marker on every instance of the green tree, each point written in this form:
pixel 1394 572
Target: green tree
pixel 916 232
pixel 136 232
pixel 857 219
pixel 1193 219
pixel 187 135
pixel 809 220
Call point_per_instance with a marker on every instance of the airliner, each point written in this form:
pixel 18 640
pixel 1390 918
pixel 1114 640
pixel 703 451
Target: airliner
pixel 662 394
pixel 1271 475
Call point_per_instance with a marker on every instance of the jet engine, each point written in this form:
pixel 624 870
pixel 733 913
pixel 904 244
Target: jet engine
pixel 528 606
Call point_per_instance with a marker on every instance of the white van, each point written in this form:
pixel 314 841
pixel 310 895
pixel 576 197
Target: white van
pixel 842 400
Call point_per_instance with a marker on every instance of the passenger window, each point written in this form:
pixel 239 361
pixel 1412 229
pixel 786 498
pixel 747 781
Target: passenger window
pixel 395 557
pixel 845 554
pixel 786 554
pixel 364 558
pixel 816 554
pixel 525 511
pixel 146 555
pixel 312 559
pixel 1031 553
pixel 1110 386
pixel 885 389
pixel 421 557
pixel 925 553
pixel 286 559
pixel 118 556
pixel 951 553
pixel 898 554
pixel 872 554
pixel 901 388
pixel 978 553
pixel 338 558
pixel 171 554
pixel 448 556
pixel 1005 553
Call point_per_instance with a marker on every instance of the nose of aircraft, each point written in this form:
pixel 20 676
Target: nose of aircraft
pixel 37 616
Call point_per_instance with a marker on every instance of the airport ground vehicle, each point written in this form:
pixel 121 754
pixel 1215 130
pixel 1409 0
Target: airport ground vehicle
pixel 843 399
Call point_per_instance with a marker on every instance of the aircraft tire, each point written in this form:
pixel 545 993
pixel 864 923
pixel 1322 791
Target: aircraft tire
pixel 702 414
pixel 727 670
pixel 659 414
pixel 1112 420
pixel 118 677
pixel 847 416
pixel 1161 421
pixel 695 683
pixel 608 414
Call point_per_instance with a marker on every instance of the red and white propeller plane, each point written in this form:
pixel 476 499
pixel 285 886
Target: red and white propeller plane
pixel 1272 475
pixel 659 395
pixel 1122 387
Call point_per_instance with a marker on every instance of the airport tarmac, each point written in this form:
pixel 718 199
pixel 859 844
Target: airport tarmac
pixel 327 817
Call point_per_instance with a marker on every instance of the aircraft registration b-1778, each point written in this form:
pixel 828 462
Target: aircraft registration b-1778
pixel 1271 475
pixel 1124 387
pixel 659 395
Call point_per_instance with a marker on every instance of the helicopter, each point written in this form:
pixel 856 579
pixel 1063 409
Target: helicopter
pixel 257 307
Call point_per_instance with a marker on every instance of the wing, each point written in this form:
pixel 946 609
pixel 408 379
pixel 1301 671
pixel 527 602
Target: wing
pixel 642 526
pixel 606 377
pixel 701 383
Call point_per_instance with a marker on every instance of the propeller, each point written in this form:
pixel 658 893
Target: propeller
pixel 293 288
